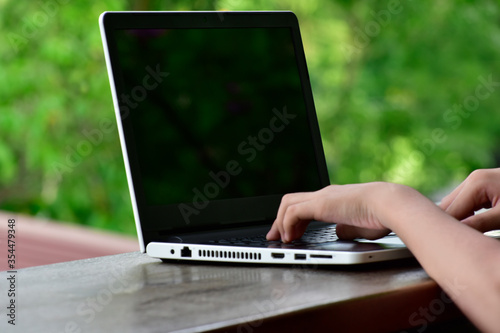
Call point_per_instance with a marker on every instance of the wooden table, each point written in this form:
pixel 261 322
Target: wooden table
pixel 134 293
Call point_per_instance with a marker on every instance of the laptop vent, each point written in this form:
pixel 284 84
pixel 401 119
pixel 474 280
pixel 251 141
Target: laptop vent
pixel 229 254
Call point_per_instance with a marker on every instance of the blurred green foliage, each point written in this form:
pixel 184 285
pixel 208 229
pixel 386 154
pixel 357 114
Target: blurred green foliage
pixel 406 91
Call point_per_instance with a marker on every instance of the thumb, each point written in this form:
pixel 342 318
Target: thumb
pixel 349 232
pixel 489 220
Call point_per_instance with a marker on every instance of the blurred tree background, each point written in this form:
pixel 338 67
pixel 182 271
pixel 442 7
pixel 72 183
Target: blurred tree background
pixel 406 91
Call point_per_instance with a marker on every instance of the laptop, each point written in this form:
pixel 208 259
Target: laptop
pixel 216 121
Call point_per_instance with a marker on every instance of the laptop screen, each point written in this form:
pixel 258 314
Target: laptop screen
pixel 215 119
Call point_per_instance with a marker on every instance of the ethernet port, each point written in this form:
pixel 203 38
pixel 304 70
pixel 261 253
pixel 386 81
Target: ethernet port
pixel 186 252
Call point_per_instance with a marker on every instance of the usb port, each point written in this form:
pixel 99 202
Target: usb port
pixel 300 256
pixel 277 255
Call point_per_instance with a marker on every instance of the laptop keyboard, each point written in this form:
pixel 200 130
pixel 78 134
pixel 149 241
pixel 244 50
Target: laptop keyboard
pixel 313 236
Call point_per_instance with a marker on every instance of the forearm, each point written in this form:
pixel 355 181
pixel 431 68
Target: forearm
pixel 465 263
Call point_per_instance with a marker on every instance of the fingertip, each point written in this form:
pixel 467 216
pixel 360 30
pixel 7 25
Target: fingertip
pixel 273 234
pixel 344 233
pixel 483 222
pixel 474 223
pixel 285 238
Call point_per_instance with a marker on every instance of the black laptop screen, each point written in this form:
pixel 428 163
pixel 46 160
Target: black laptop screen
pixel 216 115
pixel 205 103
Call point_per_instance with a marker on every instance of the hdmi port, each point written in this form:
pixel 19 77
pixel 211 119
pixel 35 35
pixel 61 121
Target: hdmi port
pixel 278 255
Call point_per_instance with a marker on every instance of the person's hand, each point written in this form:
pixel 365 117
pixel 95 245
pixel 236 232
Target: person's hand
pixel 358 210
pixel 481 189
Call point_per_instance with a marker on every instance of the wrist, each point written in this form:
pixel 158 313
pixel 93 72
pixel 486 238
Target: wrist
pixel 397 204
